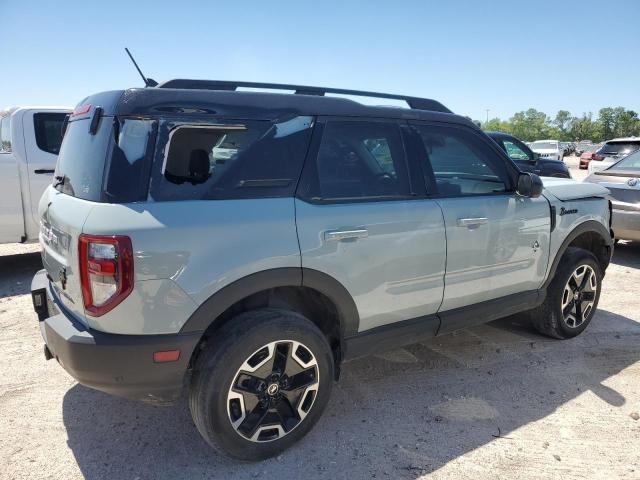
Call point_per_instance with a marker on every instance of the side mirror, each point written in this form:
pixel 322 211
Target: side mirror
pixel 529 185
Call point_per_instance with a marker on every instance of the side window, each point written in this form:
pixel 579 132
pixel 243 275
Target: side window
pixel 253 159
pixel 5 134
pixel 358 160
pixel 48 128
pixel 127 174
pixel 461 163
pixel 514 151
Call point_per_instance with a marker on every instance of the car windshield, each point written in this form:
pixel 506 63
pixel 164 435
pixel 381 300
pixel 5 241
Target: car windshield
pixel 544 146
pixel 632 162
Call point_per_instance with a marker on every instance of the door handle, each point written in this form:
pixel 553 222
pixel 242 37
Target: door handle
pixel 472 222
pixel 338 235
pixel 40 171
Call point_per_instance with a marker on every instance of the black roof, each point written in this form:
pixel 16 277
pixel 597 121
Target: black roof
pixel 227 85
pixel 499 135
pixel 222 98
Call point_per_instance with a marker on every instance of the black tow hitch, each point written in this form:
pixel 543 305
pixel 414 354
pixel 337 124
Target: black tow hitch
pixel 39 298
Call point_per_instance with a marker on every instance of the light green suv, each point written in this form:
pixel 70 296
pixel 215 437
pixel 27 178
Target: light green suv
pixel 240 246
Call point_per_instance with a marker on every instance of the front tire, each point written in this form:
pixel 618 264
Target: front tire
pixel 261 384
pixel 572 296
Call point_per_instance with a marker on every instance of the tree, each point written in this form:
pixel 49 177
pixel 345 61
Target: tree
pixel 563 124
pixel 606 119
pixel 584 128
pixel 497 125
pixel 626 123
pixel 530 125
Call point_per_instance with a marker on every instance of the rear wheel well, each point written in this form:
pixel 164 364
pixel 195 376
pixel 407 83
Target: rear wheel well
pixel 315 306
pixel 594 243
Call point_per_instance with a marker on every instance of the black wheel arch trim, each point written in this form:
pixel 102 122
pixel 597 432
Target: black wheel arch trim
pixel 588 226
pixel 257 282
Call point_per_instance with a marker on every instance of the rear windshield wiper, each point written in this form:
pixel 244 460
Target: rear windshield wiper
pixel 60 179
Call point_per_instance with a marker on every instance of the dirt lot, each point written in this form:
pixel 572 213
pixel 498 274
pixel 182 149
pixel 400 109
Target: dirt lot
pixel 496 401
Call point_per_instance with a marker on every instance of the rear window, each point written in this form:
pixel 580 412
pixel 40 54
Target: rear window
pixel 244 159
pixel 111 165
pixel 632 162
pixel 48 128
pixel 80 166
pixel 618 148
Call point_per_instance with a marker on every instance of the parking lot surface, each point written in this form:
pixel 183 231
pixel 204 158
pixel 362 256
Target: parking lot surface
pixel 495 401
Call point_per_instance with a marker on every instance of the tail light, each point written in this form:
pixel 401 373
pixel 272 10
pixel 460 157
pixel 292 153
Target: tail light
pixel 595 156
pixel 106 271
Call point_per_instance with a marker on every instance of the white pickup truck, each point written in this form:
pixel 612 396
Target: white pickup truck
pixel 30 141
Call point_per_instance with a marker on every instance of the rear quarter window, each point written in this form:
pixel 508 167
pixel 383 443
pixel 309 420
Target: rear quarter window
pixel 243 159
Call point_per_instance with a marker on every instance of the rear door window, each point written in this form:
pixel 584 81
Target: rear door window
pixel 358 160
pixel 48 128
pixel 244 159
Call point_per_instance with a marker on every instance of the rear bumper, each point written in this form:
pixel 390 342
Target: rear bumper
pixel 121 365
pixel 626 224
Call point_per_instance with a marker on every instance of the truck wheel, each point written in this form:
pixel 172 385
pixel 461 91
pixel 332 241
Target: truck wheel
pixel 572 296
pixel 261 383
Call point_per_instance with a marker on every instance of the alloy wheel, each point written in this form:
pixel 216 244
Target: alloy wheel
pixel 273 391
pixel 579 296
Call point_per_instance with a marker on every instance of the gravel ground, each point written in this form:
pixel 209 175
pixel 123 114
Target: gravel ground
pixel 495 401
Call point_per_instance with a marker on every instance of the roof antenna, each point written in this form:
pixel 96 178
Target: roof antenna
pixel 148 82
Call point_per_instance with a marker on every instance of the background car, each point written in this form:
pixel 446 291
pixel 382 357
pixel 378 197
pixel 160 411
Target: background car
pixel 566 147
pixel 587 152
pixel 30 139
pixel 548 149
pixel 582 146
pixel 526 159
pixel 623 181
pixel 612 151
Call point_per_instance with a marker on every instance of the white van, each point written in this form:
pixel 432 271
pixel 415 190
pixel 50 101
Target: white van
pixel 30 141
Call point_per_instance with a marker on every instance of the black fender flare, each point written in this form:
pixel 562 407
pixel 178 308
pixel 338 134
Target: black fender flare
pixel 216 304
pixel 588 226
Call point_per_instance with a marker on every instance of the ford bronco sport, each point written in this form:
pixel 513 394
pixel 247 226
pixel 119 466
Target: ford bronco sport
pixel 241 245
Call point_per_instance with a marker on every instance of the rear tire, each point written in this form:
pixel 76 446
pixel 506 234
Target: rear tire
pixel 572 296
pixel 261 384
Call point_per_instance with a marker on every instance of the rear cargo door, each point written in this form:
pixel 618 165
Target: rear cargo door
pixel 64 207
pixel 60 226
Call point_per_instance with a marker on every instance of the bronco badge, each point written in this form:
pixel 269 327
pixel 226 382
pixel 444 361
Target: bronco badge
pixel 567 211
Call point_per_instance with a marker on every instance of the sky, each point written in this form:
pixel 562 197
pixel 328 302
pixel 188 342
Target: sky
pixel 504 56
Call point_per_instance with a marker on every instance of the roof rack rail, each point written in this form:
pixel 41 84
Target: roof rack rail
pixel 413 102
